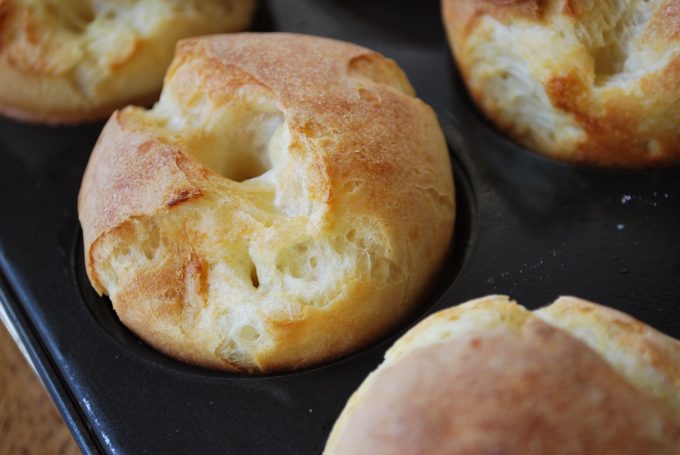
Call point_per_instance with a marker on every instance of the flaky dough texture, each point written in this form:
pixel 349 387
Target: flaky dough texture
pixel 489 376
pixel 594 82
pixel 287 200
pixel 66 61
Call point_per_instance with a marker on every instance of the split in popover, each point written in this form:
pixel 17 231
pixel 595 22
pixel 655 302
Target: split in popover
pixel 489 376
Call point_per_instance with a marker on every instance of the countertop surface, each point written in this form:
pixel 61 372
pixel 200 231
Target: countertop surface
pixel 29 422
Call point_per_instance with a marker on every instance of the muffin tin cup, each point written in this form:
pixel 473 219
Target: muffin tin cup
pixel 527 226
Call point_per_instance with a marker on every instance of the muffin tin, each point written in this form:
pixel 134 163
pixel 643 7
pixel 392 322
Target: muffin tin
pixel 527 226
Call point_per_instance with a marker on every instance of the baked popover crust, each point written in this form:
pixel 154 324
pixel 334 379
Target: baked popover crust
pixel 581 81
pixel 287 201
pixel 67 61
pixel 488 376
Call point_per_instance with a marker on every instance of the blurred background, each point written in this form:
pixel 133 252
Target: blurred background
pixel 29 422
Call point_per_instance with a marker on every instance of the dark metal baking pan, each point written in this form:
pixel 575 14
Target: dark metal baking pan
pixel 527 226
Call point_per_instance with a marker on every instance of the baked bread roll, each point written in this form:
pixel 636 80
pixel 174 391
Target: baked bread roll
pixel 594 82
pixel 287 201
pixel 66 61
pixel 489 376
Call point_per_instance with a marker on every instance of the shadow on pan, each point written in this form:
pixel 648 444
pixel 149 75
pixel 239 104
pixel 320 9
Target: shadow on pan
pixel 409 22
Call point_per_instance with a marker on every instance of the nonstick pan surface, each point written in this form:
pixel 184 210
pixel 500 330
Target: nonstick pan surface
pixel 527 226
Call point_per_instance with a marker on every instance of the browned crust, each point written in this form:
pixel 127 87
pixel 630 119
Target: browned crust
pixel 119 186
pixel 666 24
pixel 86 110
pixel 281 69
pixel 494 393
pixel 5 10
pixel 533 389
pixel 657 350
pixel 460 15
pixel 614 135
pixel 371 138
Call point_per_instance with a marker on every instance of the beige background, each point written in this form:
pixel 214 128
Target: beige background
pixel 29 422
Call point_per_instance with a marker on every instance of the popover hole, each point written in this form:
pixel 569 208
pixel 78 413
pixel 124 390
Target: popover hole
pixel 350 186
pixel 383 269
pixel 75 15
pixel 248 334
pixel 231 353
pixel 254 279
pixel 246 148
pixel 108 273
pixel 609 59
pixel 312 261
pixel 121 249
pixel 152 242
pixel 368 95
pixel 227 350
pixel 239 141
pixel 615 45
pixel 379 70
